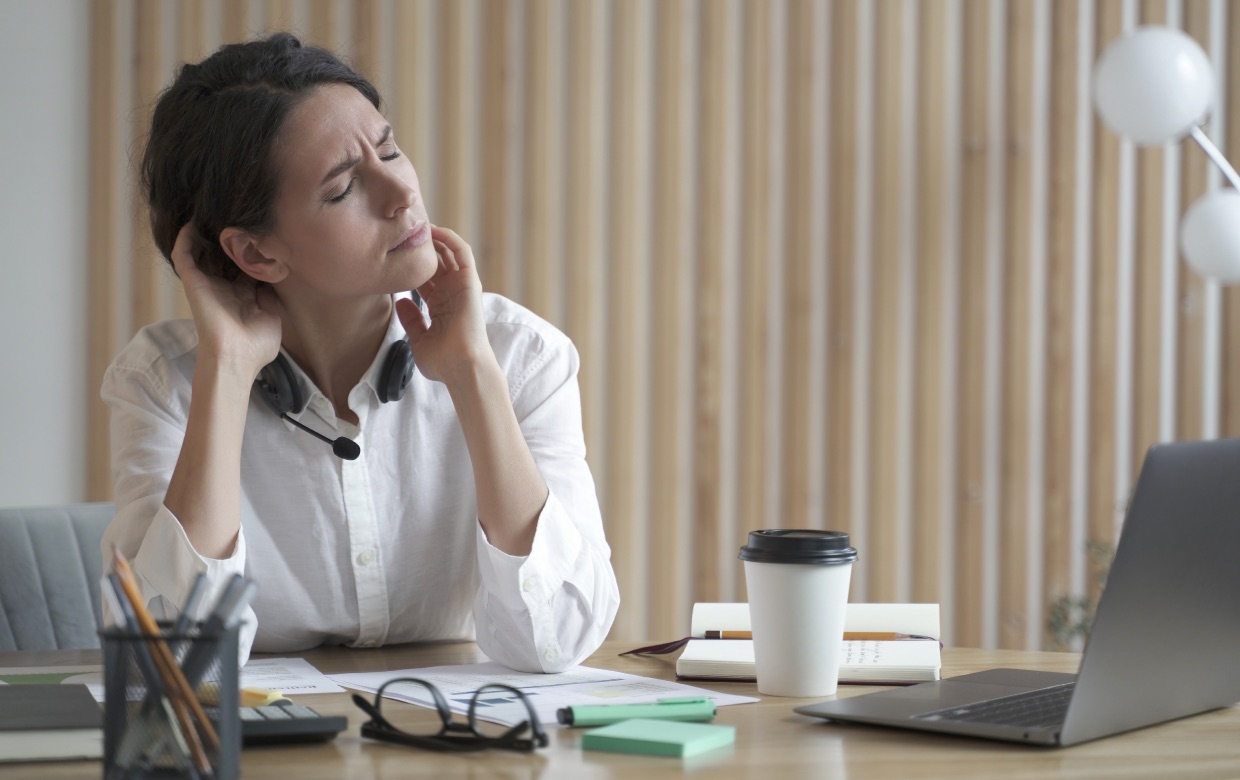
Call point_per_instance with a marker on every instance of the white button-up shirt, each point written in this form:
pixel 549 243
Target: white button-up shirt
pixel 386 548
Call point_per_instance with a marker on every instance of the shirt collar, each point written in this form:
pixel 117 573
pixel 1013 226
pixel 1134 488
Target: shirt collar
pixel 370 380
pixel 374 375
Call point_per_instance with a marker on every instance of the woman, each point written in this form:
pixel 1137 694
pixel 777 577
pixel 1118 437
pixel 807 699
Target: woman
pixel 296 225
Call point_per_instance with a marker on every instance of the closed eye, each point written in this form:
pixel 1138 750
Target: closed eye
pixel 343 195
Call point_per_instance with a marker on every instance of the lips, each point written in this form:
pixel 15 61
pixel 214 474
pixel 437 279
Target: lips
pixel 416 237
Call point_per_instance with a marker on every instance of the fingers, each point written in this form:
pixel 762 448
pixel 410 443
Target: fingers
pixel 454 253
pixel 410 316
pixel 183 251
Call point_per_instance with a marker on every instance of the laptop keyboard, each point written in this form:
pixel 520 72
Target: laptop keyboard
pixel 1045 707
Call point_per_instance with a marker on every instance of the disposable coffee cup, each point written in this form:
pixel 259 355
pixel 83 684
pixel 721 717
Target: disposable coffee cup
pixel 798 592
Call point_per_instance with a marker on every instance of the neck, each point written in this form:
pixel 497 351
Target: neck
pixel 335 341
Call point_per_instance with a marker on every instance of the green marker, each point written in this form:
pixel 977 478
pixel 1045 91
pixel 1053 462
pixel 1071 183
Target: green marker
pixel 688 708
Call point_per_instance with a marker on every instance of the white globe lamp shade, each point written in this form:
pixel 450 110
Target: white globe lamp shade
pixel 1153 85
pixel 1210 236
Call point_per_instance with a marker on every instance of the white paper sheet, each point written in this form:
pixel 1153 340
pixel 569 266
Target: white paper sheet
pixel 290 676
pixel 546 692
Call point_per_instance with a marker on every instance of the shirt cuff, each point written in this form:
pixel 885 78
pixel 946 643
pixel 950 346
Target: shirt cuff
pixel 168 562
pixel 519 581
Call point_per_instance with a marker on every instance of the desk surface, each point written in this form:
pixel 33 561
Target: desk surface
pixel 772 742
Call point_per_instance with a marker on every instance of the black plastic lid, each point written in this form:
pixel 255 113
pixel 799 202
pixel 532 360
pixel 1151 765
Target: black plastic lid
pixel 798 546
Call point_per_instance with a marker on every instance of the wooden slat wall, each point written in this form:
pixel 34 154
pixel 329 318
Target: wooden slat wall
pixel 873 266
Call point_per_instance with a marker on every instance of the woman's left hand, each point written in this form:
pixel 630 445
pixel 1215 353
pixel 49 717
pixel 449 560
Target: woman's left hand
pixel 455 342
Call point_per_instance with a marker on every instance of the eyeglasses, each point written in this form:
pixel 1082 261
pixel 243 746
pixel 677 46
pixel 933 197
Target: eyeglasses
pixel 454 737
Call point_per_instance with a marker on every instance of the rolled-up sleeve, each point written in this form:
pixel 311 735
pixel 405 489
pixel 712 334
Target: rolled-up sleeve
pixel 549 610
pixel 148 419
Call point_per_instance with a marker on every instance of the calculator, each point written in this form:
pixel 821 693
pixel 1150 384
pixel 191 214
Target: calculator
pixel 282 723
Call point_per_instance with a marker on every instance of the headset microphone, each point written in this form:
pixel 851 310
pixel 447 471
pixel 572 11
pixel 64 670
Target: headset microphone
pixel 345 449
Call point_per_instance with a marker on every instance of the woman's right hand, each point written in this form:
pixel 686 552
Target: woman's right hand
pixel 238 322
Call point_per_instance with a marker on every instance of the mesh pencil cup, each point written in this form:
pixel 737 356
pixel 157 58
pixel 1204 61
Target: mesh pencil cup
pixel 171 704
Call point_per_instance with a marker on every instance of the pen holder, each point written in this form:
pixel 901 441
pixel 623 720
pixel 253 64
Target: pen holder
pixel 171 704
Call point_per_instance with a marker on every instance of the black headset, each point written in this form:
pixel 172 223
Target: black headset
pixel 277 385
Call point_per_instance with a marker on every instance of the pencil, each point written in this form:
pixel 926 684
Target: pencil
pixel 848 635
pixel 179 692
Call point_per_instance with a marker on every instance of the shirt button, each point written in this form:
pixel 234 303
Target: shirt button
pixel 366 557
pixel 550 655
pixel 529 584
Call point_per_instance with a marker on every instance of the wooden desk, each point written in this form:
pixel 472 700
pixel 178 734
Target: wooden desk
pixel 772 742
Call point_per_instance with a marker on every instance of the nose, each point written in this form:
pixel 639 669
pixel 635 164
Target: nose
pixel 398 194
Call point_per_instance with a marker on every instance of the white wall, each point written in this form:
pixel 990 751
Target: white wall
pixel 44 66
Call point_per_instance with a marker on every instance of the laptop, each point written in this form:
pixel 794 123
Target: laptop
pixel 1164 638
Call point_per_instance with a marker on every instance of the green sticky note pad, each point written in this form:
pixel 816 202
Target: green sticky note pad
pixel 658 737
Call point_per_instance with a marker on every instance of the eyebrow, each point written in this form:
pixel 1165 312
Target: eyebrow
pixel 352 161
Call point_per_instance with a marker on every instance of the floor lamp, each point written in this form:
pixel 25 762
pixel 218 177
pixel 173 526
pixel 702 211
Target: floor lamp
pixel 1155 85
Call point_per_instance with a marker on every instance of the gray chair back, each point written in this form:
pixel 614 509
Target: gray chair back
pixel 50 567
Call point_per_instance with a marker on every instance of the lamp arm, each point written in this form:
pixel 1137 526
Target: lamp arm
pixel 1216 156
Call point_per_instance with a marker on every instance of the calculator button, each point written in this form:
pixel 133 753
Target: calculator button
pixel 274 713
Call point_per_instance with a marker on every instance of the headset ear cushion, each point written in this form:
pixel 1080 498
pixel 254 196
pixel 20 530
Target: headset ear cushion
pixel 278 387
pixel 397 371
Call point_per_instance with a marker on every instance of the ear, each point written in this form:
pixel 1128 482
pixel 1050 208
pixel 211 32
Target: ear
pixel 247 252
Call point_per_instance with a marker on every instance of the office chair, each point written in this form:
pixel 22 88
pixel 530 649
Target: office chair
pixel 50 567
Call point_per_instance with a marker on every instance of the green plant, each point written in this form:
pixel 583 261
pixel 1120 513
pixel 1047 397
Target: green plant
pixel 1070 617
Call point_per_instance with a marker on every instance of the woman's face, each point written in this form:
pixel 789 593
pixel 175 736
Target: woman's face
pixel 349 216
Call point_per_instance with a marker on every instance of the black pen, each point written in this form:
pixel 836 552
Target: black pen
pixel 191 605
pixel 227 613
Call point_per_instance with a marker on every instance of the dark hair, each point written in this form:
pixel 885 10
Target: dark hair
pixel 209 156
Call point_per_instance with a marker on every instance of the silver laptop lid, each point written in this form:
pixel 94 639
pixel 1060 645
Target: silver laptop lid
pixel 1163 643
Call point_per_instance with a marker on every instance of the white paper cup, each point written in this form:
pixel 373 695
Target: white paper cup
pixel 798 591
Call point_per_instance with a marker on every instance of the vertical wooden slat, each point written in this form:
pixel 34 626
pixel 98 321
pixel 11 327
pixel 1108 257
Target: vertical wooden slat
pixel 752 478
pixel 888 182
pixel 495 247
pixel 667 551
pixel 236 21
pixel 1229 424
pixel 413 93
pixel 1039 285
pixel 1190 367
pixel 842 360
pixel 715 233
pixel 191 32
pixel 1147 356
pixel 1102 508
pixel 1061 204
pixel 452 149
pixel 1014 487
pixel 627 273
pixel 797 291
pixel 540 199
pixel 586 163
pixel 994 322
pixel 148 78
pixel 974 202
pixel 908 260
pixel 367 41
pixel 191 48
pixel 323 26
pixel 102 262
pixel 278 16
pixel 931 269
